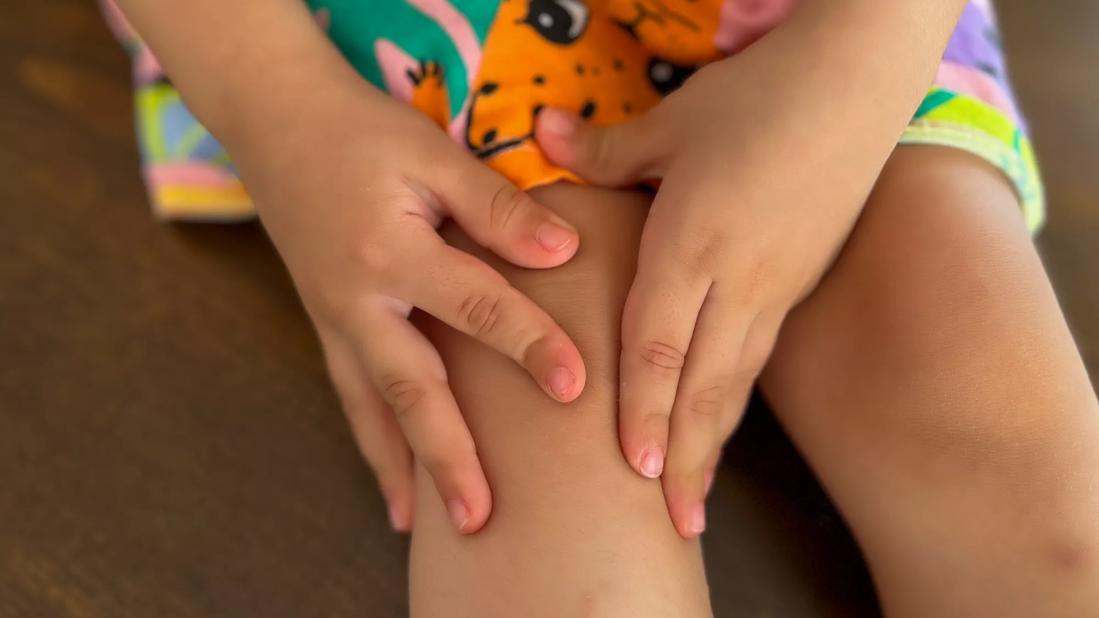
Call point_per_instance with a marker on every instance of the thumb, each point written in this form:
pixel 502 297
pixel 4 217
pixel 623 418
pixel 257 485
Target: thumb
pixel 612 156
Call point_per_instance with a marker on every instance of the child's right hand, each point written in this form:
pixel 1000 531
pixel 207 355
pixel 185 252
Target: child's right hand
pixel 351 197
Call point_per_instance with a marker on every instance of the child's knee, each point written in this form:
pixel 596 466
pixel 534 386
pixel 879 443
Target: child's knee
pixel 939 311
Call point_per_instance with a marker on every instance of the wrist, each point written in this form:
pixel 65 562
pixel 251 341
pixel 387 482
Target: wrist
pixel 890 50
pixel 262 116
pixel 863 65
pixel 246 89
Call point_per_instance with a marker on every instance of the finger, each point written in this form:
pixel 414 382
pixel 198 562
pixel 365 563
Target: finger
pixel 615 155
pixel 497 215
pixel 375 430
pixel 730 346
pixel 467 294
pixel 658 321
pixel 409 375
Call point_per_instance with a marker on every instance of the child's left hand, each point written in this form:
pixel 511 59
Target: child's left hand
pixel 762 182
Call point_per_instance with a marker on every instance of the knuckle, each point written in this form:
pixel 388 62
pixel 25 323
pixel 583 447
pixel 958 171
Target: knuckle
pixel 697 255
pixel 755 276
pixel 404 396
pixel 600 151
pixel 661 356
pixel 376 258
pixel 708 402
pixel 654 418
pixel 507 202
pixel 479 314
pixel 710 243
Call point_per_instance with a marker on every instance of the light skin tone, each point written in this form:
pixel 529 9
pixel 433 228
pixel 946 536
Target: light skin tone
pixel 930 382
pixel 574 530
pixel 351 186
pixel 757 196
pixel 983 434
pixel 380 178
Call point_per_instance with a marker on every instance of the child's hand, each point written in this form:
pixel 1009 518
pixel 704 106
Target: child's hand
pixel 762 181
pixel 352 202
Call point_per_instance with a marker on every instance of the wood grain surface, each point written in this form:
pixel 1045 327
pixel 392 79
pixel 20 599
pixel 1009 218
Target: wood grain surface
pixel 169 444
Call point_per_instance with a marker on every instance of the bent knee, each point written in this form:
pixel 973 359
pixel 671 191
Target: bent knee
pixel 939 311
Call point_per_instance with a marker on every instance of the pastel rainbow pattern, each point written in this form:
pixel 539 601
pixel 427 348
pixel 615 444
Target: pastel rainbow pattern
pixel 971 108
pixel 190 176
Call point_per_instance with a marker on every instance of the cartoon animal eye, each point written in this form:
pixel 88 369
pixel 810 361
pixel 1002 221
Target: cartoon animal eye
pixel 558 21
pixel 666 77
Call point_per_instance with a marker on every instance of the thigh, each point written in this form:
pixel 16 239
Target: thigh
pixel 935 389
pixel 574 531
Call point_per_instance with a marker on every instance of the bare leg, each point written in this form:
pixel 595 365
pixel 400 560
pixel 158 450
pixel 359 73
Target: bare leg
pixel 574 531
pixel 933 385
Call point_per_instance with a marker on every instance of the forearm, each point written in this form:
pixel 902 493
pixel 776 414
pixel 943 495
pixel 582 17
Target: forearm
pixel 874 60
pixel 839 80
pixel 574 531
pixel 883 53
pixel 244 67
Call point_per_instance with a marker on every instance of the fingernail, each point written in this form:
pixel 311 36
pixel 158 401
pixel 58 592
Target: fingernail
pixel 652 462
pixel 561 382
pixel 397 519
pixel 459 514
pixel 558 122
pixel 698 519
pixel 552 237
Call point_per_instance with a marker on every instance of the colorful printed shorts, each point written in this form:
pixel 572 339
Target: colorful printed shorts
pixel 482 69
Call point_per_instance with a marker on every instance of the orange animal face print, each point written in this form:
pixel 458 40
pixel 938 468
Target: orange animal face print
pixel 563 53
pixel 680 31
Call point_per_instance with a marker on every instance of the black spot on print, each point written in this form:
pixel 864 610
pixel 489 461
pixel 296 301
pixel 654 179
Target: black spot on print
pixel 488 88
pixel 588 110
pixel 579 69
pixel 627 108
pixel 537 109
pixel 488 137
pixel 539 80
pixel 558 21
pixel 617 64
pixel 666 76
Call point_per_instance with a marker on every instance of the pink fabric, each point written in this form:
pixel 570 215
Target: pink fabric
pixel 194 174
pixel 742 22
pixel 465 40
pixel 146 68
pixel 394 64
pixel 977 84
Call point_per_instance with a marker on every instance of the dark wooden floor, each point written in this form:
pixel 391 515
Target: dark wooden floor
pixel 168 442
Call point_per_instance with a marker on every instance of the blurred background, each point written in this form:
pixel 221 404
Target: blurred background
pixel 169 445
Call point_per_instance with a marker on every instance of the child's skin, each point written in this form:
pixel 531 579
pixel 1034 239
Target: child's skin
pixel 349 184
pixel 765 167
pixel 575 532
pixel 931 383
pixel 982 433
